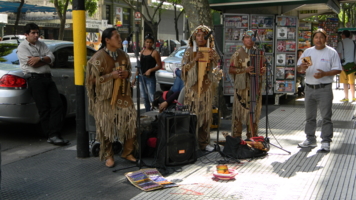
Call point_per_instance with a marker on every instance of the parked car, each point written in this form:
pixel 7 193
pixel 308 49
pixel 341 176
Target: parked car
pixel 13 37
pixel 16 103
pixel 165 76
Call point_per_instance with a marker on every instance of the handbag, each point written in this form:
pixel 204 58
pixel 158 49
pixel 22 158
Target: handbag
pixel 349 68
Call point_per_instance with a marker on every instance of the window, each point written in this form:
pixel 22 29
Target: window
pixel 108 15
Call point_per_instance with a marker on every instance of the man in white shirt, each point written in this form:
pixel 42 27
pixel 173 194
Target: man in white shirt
pixel 346 50
pixel 320 63
pixel 35 60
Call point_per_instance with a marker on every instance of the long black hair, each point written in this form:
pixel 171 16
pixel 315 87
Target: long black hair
pixel 107 33
pixel 149 37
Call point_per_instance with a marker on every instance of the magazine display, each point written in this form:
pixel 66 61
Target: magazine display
pixel 286 48
pixel 235 25
pixel 149 179
pixel 330 26
pixel 264 25
pixel 304 35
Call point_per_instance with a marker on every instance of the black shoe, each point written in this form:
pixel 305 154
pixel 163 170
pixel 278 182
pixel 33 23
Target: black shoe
pixel 57 140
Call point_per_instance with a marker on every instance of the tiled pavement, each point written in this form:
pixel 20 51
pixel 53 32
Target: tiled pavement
pixel 302 174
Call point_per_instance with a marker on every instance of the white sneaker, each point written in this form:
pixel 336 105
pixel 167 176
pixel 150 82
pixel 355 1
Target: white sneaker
pixel 325 146
pixel 209 148
pixel 307 143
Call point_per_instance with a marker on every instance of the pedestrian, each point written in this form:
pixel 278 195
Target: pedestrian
pixel 112 107
pixel 35 61
pixel 241 74
pixel 125 43
pixel 200 104
pixel 164 99
pixel 346 50
pixel 320 64
pixel 150 63
pixel 158 46
pixel 300 77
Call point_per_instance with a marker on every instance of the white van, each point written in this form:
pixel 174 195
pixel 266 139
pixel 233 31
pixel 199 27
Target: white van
pixel 13 37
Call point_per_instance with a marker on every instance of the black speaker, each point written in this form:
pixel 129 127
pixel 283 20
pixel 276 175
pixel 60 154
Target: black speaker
pixel 176 139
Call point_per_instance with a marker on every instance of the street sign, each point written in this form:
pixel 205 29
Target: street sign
pixel 137 16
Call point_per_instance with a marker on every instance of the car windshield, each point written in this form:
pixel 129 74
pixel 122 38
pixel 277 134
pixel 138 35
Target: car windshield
pixel 8 54
pixel 178 53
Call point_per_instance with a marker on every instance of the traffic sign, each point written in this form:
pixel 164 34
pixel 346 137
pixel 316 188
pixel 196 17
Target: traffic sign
pixel 137 16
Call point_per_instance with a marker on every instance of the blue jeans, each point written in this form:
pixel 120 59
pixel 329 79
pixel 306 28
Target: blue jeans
pixel 178 82
pixel 151 89
pixel 322 98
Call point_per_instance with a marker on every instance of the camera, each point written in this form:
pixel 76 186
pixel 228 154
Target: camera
pixel 342 60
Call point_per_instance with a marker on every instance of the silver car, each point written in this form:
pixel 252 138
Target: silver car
pixel 16 104
pixel 165 76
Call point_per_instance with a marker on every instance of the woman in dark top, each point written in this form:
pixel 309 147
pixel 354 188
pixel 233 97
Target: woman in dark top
pixel 150 63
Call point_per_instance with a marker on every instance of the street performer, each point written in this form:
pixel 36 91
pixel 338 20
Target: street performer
pixel 199 81
pixel 108 86
pixel 241 71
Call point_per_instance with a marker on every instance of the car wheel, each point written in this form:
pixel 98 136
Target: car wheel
pixel 95 149
pixel 165 87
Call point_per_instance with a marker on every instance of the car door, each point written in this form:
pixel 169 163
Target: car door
pixel 63 74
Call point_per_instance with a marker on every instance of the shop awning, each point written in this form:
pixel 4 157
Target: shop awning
pixel 11 7
pixel 287 7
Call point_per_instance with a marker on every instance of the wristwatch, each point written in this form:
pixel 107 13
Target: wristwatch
pixel 41 58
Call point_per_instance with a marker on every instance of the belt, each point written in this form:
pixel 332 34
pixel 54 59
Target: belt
pixel 46 75
pixel 321 85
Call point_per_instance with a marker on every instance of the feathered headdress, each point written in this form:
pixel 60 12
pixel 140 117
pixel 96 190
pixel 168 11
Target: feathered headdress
pixel 205 30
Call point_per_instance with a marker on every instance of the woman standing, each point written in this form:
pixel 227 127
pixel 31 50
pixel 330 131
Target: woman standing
pixel 110 104
pixel 150 63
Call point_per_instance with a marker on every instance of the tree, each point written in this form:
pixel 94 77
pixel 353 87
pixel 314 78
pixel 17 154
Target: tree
pixel 148 17
pixel 176 17
pixel 18 15
pixel 62 7
pixel 198 12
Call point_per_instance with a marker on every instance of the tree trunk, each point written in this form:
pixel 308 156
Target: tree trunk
pixel 176 22
pixel 198 12
pixel 18 15
pixel 61 28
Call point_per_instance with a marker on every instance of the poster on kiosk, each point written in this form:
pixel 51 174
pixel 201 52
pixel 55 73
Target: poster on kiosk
pixel 235 26
pixel 286 46
pixel 277 36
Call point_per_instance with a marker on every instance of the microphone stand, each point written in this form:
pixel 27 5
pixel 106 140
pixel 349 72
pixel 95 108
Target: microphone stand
pixel 221 55
pixel 266 104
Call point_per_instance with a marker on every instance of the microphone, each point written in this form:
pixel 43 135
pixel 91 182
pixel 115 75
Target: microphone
pixel 208 35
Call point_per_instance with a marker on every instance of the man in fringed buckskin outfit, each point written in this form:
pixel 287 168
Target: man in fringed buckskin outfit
pixel 200 105
pixel 240 73
pixel 117 121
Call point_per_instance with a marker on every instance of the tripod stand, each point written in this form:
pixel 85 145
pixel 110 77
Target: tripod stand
pixel 266 105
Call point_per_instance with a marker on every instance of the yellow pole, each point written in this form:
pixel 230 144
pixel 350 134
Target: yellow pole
pixel 80 61
pixel 80 51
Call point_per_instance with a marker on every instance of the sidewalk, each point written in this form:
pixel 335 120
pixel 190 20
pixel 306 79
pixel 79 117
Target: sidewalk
pixel 303 174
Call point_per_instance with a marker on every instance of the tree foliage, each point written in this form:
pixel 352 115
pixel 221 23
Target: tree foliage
pixel 62 7
pixel 346 16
